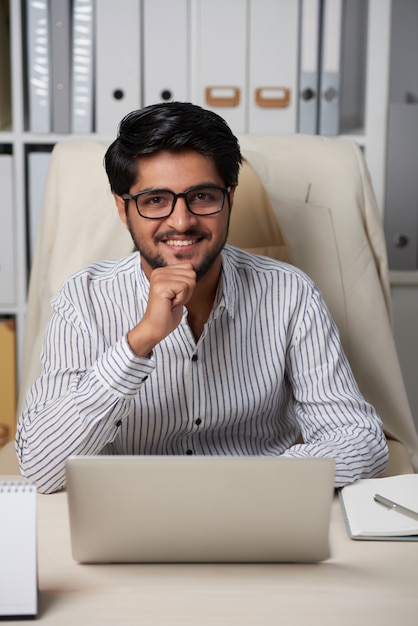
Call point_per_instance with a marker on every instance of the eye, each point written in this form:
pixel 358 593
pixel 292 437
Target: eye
pixel 204 196
pixel 156 200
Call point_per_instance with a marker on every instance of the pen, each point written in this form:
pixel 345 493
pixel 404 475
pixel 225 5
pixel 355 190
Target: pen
pixel 396 507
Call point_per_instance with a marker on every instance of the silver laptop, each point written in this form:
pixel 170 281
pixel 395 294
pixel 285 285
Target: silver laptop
pixel 160 509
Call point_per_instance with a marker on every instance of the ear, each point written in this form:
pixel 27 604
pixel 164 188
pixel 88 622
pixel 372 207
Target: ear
pixel 231 196
pixel 120 204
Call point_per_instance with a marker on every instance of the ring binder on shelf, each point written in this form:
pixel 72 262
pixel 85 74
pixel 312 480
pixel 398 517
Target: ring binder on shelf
pixel 330 69
pixel 310 20
pixel 118 73
pixel 60 19
pixel 7 379
pixel 7 232
pixel 82 66
pixel 39 66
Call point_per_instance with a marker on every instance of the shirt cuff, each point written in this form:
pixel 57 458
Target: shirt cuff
pixel 122 371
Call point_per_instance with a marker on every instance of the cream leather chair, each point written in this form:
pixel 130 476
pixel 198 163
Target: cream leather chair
pixel 304 198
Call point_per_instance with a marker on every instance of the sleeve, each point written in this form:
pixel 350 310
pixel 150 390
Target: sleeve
pixel 80 399
pixel 334 418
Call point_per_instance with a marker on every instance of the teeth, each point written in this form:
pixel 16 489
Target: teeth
pixel 180 242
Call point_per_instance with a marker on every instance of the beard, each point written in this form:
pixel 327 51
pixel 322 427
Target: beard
pixel 156 260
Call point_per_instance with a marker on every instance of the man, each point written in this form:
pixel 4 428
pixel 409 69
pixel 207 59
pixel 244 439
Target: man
pixel 189 346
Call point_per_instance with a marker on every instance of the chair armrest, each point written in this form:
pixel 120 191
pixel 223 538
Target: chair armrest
pixel 399 459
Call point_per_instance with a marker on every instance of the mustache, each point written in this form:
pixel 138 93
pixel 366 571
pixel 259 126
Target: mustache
pixel 191 233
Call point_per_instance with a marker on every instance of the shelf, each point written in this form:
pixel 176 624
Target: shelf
pixel 371 136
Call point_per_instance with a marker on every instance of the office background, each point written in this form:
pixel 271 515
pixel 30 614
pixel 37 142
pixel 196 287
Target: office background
pixel 333 67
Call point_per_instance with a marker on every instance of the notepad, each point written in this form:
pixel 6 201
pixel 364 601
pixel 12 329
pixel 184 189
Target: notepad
pixel 18 559
pixel 366 519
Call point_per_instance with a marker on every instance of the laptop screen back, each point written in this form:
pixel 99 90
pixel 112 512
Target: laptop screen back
pixel 199 509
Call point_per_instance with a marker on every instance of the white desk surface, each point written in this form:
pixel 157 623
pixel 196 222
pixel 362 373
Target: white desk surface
pixel 363 583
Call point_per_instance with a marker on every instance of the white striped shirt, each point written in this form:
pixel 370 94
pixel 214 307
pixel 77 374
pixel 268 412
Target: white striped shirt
pixel 267 367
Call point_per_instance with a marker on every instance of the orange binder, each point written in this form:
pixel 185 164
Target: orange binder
pixel 7 380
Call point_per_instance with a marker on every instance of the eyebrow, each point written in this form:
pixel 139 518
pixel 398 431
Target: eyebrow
pixel 204 184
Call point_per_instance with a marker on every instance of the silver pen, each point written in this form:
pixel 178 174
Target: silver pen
pixel 396 507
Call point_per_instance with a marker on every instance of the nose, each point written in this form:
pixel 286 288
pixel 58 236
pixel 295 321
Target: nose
pixel 181 218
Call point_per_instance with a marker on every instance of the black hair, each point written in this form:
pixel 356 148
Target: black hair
pixel 172 127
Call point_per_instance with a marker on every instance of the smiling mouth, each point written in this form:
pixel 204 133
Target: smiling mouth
pixel 180 243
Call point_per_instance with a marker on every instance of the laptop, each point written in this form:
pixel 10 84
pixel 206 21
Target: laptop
pixel 182 509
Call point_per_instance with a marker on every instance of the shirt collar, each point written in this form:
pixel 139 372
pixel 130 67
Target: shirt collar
pixel 227 291
pixel 142 280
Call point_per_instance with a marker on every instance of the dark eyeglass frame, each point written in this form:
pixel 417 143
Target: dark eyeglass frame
pixel 134 196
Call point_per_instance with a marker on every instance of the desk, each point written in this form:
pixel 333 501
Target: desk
pixel 363 583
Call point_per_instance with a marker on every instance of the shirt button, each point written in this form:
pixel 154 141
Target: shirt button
pixel 194 357
pixel 198 421
pixel 189 452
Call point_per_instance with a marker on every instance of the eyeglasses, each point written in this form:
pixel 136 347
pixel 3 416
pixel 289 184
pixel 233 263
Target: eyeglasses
pixel 159 203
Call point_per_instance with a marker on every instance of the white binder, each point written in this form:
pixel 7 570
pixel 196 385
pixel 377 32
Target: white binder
pixel 165 66
pixel 38 164
pixel 219 59
pixel 7 232
pixel 60 19
pixel 18 562
pixel 272 51
pixel 82 66
pixel 309 45
pixel 118 62
pixel 331 67
pixel 39 65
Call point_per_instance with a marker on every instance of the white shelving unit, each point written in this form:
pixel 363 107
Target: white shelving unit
pixel 372 137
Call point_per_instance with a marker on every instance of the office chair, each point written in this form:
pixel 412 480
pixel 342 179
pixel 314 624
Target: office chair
pixel 304 199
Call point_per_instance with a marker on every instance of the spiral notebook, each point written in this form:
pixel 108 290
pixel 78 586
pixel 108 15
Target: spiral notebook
pixel 199 509
pixel 18 550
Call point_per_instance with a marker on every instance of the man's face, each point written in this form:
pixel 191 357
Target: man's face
pixel 182 236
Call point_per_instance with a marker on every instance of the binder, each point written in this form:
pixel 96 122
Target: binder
pixel 118 62
pixel 18 562
pixel 37 167
pixel 331 67
pixel 219 76
pixel 401 213
pixel 5 79
pixel 7 380
pixel 272 83
pixel 310 27
pixel 60 19
pixel 39 65
pixel 82 66
pixel 165 67
pixel 7 232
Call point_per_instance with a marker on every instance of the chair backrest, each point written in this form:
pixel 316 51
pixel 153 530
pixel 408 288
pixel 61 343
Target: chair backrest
pixel 306 198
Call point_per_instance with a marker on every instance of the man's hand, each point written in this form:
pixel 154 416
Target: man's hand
pixel 170 289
